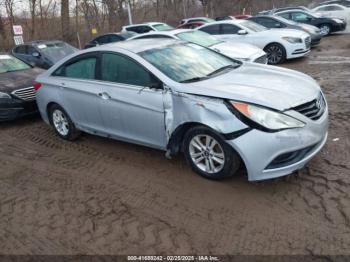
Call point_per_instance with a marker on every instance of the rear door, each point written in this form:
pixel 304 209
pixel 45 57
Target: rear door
pixel 130 108
pixel 80 91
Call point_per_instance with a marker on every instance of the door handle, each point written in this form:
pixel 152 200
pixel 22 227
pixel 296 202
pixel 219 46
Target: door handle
pixel 63 85
pixel 104 95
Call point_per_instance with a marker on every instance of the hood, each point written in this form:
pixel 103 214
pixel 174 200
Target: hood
pixel 237 50
pixel 12 81
pixel 285 33
pixel 264 85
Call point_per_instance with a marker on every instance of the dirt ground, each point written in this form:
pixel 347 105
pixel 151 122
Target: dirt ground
pixel 99 196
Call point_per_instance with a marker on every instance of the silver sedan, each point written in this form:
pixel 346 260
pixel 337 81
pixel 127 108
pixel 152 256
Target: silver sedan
pixel 223 114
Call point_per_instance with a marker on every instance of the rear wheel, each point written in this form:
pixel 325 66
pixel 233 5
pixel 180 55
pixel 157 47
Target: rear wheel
pixel 276 53
pixel 209 155
pixel 62 123
pixel 325 29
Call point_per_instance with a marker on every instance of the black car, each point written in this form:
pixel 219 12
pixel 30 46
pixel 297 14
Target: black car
pixel 280 22
pixel 326 25
pixel 109 38
pixel 345 3
pixel 17 95
pixel 43 54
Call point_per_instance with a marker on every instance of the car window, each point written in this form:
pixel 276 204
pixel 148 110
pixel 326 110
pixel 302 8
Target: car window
pixel 83 68
pixel 55 51
pixel 300 17
pixel 140 29
pixel 335 8
pixel 153 36
pixel 199 38
pixel 114 38
pixel 102 39
pixel 270 23
pixel 120 69
pixel 227 29
pixel 285 15
pixel 21 49
pixel 31 50
pixel 211 29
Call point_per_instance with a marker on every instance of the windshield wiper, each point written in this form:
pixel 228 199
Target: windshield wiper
pixel 222 69
pixel 194 79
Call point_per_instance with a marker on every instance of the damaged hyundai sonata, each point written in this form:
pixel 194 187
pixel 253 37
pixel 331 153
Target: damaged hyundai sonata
pixel 223 114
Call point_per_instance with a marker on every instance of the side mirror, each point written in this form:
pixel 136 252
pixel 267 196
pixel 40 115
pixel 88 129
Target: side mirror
pixel 242 32
pixel 36 54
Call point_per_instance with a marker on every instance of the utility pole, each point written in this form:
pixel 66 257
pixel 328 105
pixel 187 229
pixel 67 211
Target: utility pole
pixel 129 13
pixel 184 7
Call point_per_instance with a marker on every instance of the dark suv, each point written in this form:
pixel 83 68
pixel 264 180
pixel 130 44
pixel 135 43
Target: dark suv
pixel 43 54
pixel 327 25
pixel 109 38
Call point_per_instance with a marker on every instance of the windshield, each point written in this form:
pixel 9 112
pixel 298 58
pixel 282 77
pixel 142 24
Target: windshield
pixel 251 26
pixel 56 51
pixel 183 62
pixel 199 38
pixel 10 64
pixel 163 27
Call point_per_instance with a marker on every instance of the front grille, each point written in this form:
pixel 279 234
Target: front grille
pixel 261 59
pixel 308 42
pixel 314 109
pixel 27 94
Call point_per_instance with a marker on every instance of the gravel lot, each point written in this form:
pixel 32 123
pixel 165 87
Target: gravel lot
pixel 99 196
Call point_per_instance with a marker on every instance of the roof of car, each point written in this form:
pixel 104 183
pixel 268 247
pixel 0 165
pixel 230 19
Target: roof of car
pixel 237 21
pixel 135 46
pixel 169 33
pixel 40 42
pixel 148 23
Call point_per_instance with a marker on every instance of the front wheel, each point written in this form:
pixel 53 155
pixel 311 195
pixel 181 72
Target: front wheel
pixel 208 154
pixel 276 53
pixel 325 29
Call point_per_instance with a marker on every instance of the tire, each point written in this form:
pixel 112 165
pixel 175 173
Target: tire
pixel 276 53
pixel 325 29
pixel 217 163
pixel 62 123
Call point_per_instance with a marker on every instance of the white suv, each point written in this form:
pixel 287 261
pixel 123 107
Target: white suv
pixel 279 44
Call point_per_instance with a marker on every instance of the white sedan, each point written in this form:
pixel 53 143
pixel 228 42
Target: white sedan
pixel 333 10
pixel 279 44
pixel 240 51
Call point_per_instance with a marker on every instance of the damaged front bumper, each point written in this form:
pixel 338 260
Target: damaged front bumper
pixel 270 155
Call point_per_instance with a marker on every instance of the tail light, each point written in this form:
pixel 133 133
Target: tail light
pixel 37 86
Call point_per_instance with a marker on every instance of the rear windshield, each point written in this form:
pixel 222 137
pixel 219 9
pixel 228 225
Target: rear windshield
pixel 56 51
pixel 163 27
pixel 199 38
pixel 11 64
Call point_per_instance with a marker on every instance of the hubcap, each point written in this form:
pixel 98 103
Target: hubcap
pixel 207 154
pixel 325 30
pixel 60 122
pixel 274 54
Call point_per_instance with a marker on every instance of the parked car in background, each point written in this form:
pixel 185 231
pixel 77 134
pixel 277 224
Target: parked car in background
pixel 196 19
pixel 240 51
pixel 17 96
pixel 43 54
pixel 241 16
pixel 228 17
pixel 345 3
pixel 191 25
pixel 147 27
pixel 278 22
pixel 162 94
pixel 109 38
pixel 279 44
pixel 301 8
pixel 333 10
pixel 327 25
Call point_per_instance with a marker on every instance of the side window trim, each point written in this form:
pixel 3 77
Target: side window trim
pixel 99 72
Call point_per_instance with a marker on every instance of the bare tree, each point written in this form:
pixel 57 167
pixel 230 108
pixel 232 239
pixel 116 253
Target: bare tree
pixel 65 20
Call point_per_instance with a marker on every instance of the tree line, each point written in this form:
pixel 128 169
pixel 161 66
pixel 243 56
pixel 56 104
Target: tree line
pixel 73 20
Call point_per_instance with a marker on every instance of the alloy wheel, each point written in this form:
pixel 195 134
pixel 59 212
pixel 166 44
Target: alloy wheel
pixel 274 54
pixel 207 154
pixel 325 30
pixel 60 122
